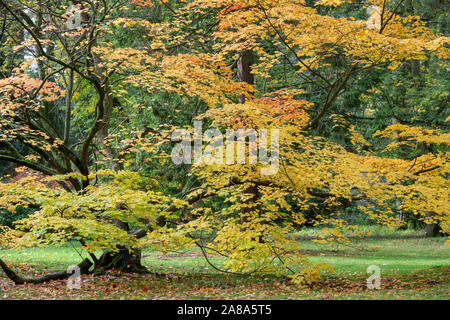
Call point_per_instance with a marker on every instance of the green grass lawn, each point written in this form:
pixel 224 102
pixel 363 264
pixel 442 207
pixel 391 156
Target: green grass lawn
pixel 411 268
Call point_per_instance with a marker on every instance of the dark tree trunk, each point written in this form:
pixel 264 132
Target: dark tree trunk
pixel 432 229
pixel 244 71
pixel 84 266
pixel 244 74
pixel 124 260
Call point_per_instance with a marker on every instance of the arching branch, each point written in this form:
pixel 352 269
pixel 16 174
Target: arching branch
pixel 84 266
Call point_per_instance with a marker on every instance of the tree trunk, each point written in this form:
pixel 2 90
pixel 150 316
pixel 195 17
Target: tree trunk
pixel 432 229
pixel 244 71
pixel 124 260
pixel 84 266
pixel 244 74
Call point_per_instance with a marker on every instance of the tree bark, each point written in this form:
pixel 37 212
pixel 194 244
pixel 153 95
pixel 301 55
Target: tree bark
pixel 244 74
pixel 432 229
pixel 124 260
pixel 84 266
